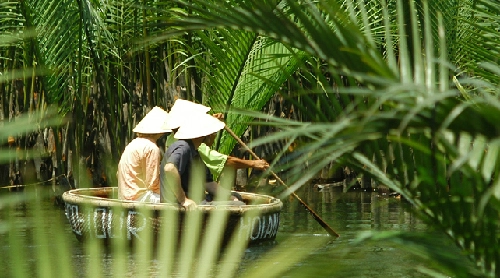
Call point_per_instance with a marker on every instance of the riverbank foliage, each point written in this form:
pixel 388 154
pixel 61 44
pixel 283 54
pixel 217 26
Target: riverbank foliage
pixel 404 93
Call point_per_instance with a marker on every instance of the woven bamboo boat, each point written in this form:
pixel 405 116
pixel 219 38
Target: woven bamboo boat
pixel 97 213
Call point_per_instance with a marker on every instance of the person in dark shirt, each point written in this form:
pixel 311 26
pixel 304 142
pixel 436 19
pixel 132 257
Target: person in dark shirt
pixel 181 157
pixel 183 110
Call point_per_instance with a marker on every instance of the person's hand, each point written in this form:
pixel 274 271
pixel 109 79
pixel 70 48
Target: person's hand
pixel 189 204
pixel 260 164
pixel 219 116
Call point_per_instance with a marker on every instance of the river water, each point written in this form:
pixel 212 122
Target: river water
pixel 302 247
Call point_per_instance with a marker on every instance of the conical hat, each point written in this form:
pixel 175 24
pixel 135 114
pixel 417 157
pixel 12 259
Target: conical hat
pixel 202 125
pixel 154 122
pixel 184 111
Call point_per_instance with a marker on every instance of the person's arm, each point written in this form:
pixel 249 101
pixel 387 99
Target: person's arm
pixel 239 163
pixel 173 180
pixel 232 161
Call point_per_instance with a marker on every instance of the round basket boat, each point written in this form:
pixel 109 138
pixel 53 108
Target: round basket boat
pixel 97 213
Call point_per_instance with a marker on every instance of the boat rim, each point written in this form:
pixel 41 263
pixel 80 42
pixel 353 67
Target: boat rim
pixel 76 196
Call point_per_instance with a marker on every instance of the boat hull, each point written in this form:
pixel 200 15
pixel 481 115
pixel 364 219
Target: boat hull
pixel 96 213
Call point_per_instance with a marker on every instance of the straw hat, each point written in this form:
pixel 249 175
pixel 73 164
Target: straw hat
pixel 184 111
pixel 154 122
pixel 203 125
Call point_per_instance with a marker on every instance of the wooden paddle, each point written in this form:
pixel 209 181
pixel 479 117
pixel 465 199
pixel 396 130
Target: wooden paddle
pixel 314 214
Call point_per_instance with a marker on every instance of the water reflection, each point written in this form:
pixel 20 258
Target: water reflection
pixel 348 211
pixel 301 241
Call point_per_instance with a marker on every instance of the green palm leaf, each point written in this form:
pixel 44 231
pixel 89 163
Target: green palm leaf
pixel 248 83
pixel 404 125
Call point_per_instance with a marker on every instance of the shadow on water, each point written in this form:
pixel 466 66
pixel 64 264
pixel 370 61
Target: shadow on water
pixel 300 238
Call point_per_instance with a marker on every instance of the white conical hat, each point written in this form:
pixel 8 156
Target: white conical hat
pixel 184 111
pixel 154 122
pixel 202 125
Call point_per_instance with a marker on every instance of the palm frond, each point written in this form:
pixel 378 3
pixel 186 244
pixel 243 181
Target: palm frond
pixel 405 126
pixel 472 37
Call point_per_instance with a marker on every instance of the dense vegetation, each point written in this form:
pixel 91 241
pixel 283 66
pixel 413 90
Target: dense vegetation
pixel 405 92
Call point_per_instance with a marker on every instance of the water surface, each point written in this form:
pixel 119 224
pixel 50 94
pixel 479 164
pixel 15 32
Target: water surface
pixel 302 246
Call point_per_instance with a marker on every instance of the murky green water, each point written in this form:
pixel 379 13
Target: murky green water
pixel 349 214
pixel 302 246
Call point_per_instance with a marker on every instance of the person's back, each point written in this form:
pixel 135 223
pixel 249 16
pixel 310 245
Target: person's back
pixel 180 154
pixel 138 169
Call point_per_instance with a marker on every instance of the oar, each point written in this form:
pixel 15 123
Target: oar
pixel 314 214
